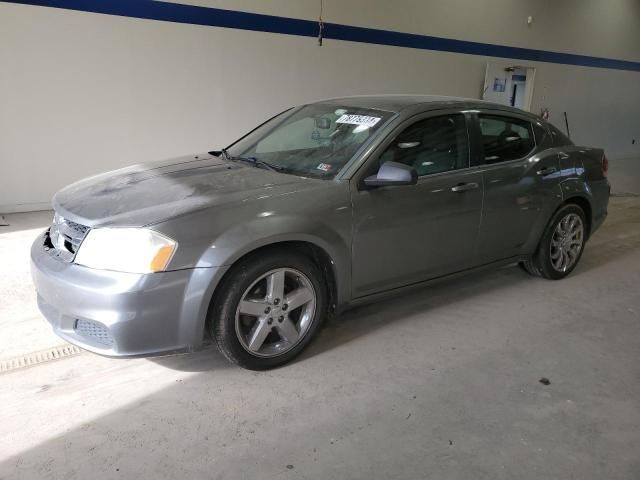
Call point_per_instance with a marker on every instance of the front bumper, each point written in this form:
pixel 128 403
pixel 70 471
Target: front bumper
pixel 121 314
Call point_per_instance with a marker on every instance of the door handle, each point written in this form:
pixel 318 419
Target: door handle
pixel 463 187
pixel 543 172
pixel 563 156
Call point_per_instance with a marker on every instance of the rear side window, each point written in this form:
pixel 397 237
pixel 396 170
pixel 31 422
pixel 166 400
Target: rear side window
pixel 505 138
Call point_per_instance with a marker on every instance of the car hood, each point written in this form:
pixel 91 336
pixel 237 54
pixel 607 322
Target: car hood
pixel 150 193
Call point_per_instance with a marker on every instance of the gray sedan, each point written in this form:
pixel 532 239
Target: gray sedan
pixel 323 206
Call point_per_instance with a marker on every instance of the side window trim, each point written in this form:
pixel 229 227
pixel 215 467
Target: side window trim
pixel 537 142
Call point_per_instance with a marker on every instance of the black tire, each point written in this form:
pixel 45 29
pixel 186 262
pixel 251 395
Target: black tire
pixel 221 319
pixel 540 263
pixel 528 266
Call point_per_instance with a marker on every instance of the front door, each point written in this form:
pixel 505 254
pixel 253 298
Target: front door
pixel 407 234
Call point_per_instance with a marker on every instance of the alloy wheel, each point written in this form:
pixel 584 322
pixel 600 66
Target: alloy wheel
pixel 567 242
pixel 275 312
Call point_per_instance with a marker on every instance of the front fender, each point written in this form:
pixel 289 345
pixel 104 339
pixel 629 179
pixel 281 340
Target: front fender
pixel 211 240
pixel 236 242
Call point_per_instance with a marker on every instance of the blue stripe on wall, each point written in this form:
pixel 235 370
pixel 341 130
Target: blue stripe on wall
pixel 215 17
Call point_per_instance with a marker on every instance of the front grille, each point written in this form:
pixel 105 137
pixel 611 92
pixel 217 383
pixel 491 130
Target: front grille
pixel 94 330
pixel 73 231
pixel 65 237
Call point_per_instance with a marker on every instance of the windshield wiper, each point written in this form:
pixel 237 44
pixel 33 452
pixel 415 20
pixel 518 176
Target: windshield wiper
pixel 255 162
pixel 252 160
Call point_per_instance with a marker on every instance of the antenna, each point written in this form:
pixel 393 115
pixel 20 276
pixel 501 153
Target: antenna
pixel 566 124
pixel 320 26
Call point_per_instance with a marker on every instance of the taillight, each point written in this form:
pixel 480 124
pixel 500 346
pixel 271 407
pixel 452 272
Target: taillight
pixel 605 166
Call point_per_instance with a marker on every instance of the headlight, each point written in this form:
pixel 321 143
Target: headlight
pixel 133 250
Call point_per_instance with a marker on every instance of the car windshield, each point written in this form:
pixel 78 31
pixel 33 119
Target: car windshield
pixel 313 140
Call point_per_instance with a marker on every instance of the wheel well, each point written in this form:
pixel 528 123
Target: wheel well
pixel 324 262
pixel 586 206
pixel 318 255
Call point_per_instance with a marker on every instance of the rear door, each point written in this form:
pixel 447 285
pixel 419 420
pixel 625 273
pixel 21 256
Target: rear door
pixel 406 234
pixel 521 177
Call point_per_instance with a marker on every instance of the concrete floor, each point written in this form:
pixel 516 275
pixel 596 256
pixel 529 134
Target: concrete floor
pixel 20 320
pixel 442 383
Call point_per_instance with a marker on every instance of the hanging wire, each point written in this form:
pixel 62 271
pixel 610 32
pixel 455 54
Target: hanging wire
pixel 320 26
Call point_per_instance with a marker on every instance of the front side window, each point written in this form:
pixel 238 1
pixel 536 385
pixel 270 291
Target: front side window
pixel 505 138
pixel 314 140
pixel 433 145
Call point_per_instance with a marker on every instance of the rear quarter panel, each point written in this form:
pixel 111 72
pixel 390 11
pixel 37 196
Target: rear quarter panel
pixel 582 176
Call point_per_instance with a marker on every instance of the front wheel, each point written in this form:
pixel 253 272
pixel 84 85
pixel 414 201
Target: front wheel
pixel 268 309
pixel 561 246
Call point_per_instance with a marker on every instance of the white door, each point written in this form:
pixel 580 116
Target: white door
pixel 509 84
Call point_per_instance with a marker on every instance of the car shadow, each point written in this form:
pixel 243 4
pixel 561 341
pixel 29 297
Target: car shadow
pixel 207 359
pixel 368 318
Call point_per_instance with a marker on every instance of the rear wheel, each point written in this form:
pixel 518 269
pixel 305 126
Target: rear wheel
pixel 268 309
pixel 529 267
pixel 561 246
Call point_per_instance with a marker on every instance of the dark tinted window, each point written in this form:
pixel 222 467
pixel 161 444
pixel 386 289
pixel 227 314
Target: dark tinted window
pixel 433 145
pixel 505 138
pixel 559 138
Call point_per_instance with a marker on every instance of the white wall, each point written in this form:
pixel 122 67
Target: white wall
pixel 82 93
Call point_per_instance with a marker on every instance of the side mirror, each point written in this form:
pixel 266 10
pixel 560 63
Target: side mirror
pixel 392 173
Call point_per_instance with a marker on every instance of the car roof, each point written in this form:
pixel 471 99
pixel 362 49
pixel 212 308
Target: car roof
pixel 397 103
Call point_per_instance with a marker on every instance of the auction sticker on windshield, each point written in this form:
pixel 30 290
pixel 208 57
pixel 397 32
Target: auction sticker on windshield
pixel 358 120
